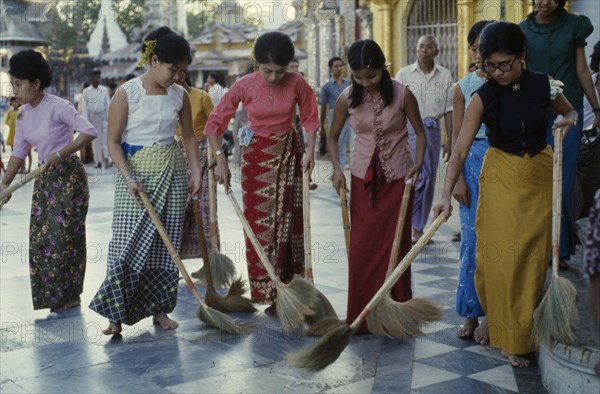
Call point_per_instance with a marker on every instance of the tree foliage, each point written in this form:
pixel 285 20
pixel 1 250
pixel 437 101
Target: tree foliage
pixel 129 14
pixel 67 18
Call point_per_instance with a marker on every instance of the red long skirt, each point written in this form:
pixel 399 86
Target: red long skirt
pixel 371 241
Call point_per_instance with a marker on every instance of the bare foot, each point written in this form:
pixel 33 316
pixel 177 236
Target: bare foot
pixel 481 333
pixel 68 305
pixel 468 329
pixel 113 329
pixel 515 360
pixel 164 322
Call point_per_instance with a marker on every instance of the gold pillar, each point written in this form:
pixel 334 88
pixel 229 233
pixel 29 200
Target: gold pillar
pixel 401 47
pixel 465 19
pixel 382 13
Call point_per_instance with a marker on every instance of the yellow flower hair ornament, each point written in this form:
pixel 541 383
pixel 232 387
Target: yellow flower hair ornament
pixel 148 52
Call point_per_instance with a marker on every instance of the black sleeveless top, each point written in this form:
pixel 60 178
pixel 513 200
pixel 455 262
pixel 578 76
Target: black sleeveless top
pixel 516 116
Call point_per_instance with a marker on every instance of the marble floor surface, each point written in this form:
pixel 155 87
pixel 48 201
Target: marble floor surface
pixel 43 352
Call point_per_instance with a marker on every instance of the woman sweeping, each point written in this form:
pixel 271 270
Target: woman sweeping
pixel 515 186
pixel 378 108
pixel 141 278
pixel 57 243
pixel 271 159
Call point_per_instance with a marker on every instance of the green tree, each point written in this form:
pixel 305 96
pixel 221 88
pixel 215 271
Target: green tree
pixel 129 14
pixel 197 17
pixel 67 19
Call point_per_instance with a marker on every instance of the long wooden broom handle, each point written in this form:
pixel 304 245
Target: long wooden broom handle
pixel 212 200
pixel 398 271
pixel 306 216
pixel 252 237
pixel 557 200
pixel 345 218
pixel 27 178
pixel 400 225
pixel 169 245
pixel 203 245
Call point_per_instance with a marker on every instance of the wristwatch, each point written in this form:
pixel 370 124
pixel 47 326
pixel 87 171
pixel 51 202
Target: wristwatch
pixel 219 152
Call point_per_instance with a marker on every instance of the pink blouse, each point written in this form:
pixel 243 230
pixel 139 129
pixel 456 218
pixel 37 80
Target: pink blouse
pixel 271 108
pixel 385 127
pixel 48 127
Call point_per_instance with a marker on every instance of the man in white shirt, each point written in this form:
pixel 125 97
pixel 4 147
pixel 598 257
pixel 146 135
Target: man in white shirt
pixel 96 100
pixel 432 86
pixel 215 90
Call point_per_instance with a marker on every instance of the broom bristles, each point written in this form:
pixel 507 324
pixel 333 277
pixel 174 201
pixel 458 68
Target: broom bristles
pixel 324 351
pixel 214 318
pixel 222 269
pixel 233 302
pixel 402 319
pixel 323 310
pixel 295 301
pixel 323 326
pixel 555 318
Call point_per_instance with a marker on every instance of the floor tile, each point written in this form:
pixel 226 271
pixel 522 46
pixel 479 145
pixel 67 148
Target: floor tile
pixel 501 376
pixel 425 375
pixel 460 386
pixel 429 349
pixel 456 362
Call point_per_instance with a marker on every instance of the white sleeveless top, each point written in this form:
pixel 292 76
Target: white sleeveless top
pixel 152 119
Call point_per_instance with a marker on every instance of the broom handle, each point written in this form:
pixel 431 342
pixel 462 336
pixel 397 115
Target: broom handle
pixel 400 225
pixel 202 239
pixel 252 237
pixel 398 271
pixel 557 200
pixel 345 218
pixel 307 238
pixel 212 201
pixel 27 178
pixel 169 245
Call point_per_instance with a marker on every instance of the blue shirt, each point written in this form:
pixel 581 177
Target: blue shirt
pixel 468 86
pixel 331 91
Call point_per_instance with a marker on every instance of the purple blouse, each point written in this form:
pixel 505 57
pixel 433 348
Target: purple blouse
pixel 48 127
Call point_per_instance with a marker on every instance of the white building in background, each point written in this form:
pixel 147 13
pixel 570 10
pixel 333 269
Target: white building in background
pixel 106 32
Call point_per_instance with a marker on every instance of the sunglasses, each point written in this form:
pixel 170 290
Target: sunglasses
pixel 491 68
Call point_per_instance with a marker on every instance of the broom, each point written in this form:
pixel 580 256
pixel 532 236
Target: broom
pixel 555 317
pixel 295 300
pixel 222 267
pixel 323 326
pixel 345 218
pixel 234 301
pixel 26 179
pixel 329 347
pixel 323 308
pixel 401 319
pixel 208 315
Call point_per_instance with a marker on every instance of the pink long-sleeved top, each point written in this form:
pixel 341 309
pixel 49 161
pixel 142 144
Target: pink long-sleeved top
pixel 271 108
pixel 48 127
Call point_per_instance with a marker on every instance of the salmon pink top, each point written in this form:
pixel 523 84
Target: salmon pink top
pixel 271 108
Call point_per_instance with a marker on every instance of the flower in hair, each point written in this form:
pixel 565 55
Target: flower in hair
pixel 148 52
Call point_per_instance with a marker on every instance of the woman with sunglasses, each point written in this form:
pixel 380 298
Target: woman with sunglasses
pixel 515 186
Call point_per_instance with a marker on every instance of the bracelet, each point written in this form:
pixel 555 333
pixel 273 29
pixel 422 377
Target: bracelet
pixel 596 110
pixel 130 178
pixel 59 156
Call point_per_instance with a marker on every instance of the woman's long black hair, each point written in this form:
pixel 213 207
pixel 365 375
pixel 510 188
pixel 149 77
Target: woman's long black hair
pixel 368 54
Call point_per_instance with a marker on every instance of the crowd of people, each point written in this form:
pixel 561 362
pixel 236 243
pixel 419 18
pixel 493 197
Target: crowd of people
pixel 385 131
